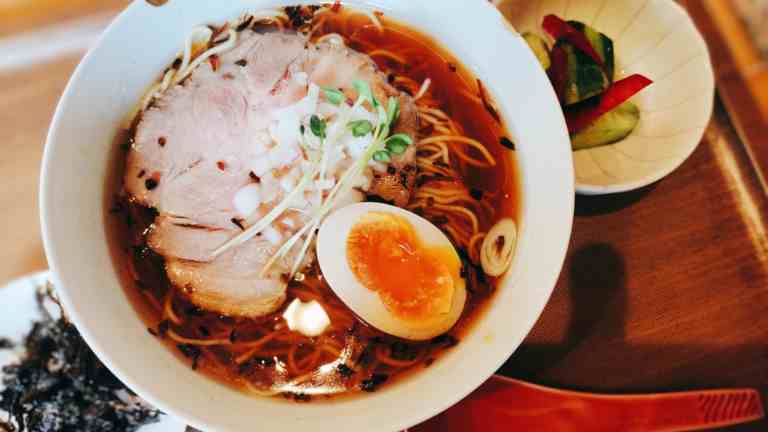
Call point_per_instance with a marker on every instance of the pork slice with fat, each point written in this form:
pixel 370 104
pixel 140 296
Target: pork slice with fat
pixel 198 146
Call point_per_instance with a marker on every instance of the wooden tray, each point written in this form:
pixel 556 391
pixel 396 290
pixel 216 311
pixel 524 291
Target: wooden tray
pixel 741 67
pixel 667 288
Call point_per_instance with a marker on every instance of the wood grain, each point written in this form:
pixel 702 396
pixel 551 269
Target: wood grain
pixel 741 73
pixel 665 288
pixel 26 106
pixel 26 15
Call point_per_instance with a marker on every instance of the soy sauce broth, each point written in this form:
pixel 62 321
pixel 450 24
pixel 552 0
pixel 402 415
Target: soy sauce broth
pixel 458 94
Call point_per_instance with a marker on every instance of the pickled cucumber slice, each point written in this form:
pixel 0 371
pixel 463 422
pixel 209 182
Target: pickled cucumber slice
pixel 609 128
pixel 585 78
pixel 539 47
pixel 601 43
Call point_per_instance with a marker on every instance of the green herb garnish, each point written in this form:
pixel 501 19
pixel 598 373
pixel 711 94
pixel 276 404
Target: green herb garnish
pixel 334 96
pixel 360 128
pixel 393 110
pixel 397 147
pixel 382 156
pixel 317 125
pixel 398 143
pixel 364 91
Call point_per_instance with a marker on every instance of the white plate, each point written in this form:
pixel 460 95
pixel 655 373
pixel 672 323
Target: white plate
pixel 20 310
pixel 655 38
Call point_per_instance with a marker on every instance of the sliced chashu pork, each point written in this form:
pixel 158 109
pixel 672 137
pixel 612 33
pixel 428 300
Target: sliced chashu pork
pixel 195 149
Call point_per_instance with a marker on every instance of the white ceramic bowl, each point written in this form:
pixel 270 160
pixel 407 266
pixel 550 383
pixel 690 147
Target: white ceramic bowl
pixel 655 38
pixel 105 89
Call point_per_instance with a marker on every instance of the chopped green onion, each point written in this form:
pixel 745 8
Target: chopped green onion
pixel 396 147
pixel 334 96
pixel 382 156
pixel 317 125
pixel 398 140
pixel 360 128
pixel 393 110
pixel 364 92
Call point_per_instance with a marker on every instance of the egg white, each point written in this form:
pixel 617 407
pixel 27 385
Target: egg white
pixel 332 256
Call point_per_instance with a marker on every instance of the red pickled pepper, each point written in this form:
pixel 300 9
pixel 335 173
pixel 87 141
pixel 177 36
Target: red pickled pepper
pixel 558 71
pixel 616 95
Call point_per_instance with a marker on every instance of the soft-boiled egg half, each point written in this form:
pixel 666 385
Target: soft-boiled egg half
pixel 394 269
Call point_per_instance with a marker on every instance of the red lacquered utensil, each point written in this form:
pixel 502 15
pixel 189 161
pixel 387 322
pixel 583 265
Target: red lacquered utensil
pixel 504 404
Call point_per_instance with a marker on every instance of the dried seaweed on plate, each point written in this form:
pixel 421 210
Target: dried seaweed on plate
pixel 60 385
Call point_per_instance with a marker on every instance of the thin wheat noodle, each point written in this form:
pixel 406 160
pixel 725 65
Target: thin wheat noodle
pixel 375 20
pixel 155 304
pixel 450 200
pixel 462 139
pixel 471 96
pixel 435 112
pixel 310 360
pixel 469 160
pixel 431 168
pixel 199 342
pixel 218 49
pixel 445 130
pixel 291 360
pixel 431 119
pixel 383 355
pixel 458 238
pixel 472 249
pixel 333 351
pixel 387 54
pixel 254 347
pixel 446 190
pixel 168 312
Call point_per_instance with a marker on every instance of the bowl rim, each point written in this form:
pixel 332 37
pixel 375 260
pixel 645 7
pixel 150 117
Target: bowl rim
pixel 56 253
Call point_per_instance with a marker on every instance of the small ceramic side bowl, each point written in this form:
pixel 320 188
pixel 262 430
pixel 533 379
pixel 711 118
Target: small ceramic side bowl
pixel 655 38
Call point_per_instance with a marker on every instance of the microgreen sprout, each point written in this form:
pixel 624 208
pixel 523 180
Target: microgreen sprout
pixel 364 92
pixel 382 156
pixel 360 128
pixel 318 126
pixel 398 143
pixel 393 110
pixel 334 96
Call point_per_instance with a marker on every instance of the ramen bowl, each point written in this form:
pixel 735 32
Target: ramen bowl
pixel 655 38
pixel 78 162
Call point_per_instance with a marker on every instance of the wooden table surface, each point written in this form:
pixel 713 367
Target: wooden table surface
pixel 663 289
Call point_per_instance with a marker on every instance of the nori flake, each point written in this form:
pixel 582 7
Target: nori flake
pixel 61 386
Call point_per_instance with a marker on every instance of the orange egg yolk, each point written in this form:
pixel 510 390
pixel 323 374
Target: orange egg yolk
pixel 413 280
